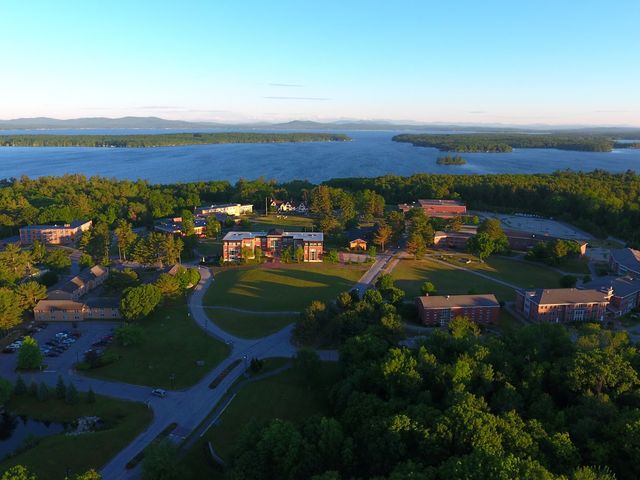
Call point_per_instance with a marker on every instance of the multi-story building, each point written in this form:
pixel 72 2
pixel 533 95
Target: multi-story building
pixel 54 234
pixel 626 293
pixel 625 261
pixel 437 208
pixel 233 209
pixel 79 285
pixel 560 305
pixel 272 244
pixel 174 226
pixel 72 311
pixel 440 309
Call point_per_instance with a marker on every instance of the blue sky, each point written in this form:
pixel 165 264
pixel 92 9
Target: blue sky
pixel 531 61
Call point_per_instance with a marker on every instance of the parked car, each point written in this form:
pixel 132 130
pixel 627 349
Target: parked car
pixel 158 392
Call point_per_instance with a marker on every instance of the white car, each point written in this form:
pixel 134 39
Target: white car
pixel 158 392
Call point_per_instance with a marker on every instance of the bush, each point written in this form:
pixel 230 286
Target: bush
pixel 71 396
pixel 61 388
pixel 129 335
pixel 20 388
pixel 568 281
pixel 33 389
pixel 43 392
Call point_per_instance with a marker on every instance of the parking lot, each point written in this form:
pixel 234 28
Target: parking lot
pixel 59 334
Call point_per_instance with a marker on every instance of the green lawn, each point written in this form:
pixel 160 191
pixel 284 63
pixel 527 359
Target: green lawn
pixel 577 265
pixel 209 246
pixel 284 288
pixel 250 325
pixel 283 396
pixel 292 222
pixel 522 273
pixel 411 274
pixel 52 455
pixel 172 345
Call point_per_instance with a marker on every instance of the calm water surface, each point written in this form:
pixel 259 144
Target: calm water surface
pixel 368 154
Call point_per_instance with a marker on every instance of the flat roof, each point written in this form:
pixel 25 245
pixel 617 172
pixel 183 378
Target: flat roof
pixel 459 301
pixel 306 236
pixel 436 202
pixel 567 296
pixel 74 224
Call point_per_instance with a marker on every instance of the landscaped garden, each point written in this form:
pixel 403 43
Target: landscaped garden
pixel 174 353
pixel 55 456
pixel 287 396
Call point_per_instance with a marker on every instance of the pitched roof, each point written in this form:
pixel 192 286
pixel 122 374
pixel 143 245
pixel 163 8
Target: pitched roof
pixel 628 258
pixel 622 286
pixel 58 305
pixel 459 301
pixel 567 296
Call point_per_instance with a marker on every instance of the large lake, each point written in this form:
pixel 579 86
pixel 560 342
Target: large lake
pixel 368 154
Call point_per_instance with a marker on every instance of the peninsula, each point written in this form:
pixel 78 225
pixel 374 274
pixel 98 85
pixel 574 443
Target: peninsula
pixel 164 139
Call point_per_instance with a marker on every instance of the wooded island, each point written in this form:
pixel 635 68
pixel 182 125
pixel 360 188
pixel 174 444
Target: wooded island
pixel 501 143
pixel 164 139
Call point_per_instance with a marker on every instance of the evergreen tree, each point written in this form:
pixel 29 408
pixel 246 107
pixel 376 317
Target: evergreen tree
pixel 43 392
pixel 20 387
pixel 61 388
pixel 71 395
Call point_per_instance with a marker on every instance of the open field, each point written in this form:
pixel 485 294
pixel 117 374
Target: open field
pixel 290 222
pixel 250 325
pixel 411 274
pixel 172 345
pixel 284 396
pixel 50 458
pixel 524 274
pixel 283 288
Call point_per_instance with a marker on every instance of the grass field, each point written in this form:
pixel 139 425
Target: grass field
pixel 292 222
pixel 250 325
pixel 521 273
pixel 283 396
pixel 285 288
pixel 172 345
pixel 50 458
pixel 411 274
pixel 577 266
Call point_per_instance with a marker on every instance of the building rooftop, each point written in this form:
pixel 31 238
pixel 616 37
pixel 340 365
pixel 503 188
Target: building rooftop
pixel 459 301
pixel 58 305
pixel 568 296
pixel 81 279
pixel 439 202
pixel 74 224
pixel 628 258
pixel 306 236
pixel 622 286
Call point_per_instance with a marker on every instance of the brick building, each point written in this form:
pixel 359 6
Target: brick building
pixel 54 234
pixel 272 244
pixel 439 310
pixel 437 208
pixel 174 226
pixel 560 305
pixel 626 293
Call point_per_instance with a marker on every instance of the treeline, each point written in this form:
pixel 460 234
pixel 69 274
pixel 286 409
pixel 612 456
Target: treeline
pixel 531 403
pixel 600 202
pixel 506 142
pixel 163 139
pixel 451 160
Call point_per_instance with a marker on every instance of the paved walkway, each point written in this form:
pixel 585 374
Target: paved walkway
pixel 190 407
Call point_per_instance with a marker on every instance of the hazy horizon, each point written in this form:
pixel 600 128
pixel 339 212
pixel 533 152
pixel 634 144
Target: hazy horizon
pixel 494 63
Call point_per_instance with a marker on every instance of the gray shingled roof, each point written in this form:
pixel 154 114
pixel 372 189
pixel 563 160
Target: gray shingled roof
pixel 564 296
pixel 627 257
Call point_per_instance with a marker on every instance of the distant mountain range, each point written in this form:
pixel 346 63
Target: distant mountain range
pixel 46 123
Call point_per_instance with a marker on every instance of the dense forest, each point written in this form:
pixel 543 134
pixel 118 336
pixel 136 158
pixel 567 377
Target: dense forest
pixel 163 139
pixel 451 160
pixel 529 404
pixel 601 202
pixel 506 142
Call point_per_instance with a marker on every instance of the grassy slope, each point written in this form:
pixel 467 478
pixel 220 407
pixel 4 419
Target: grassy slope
pixel 410 274
pixel 288 288
pixel 283 396
pixel 54 454
pixel 172 345
pixel 249 325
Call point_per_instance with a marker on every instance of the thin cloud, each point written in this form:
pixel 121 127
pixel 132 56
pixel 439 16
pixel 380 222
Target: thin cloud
pixel 296 85
pixel 477 111
pixel 298 98
pixel 610 111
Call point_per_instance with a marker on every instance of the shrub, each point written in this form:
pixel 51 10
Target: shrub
pixel 71 396
pixel 20 387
